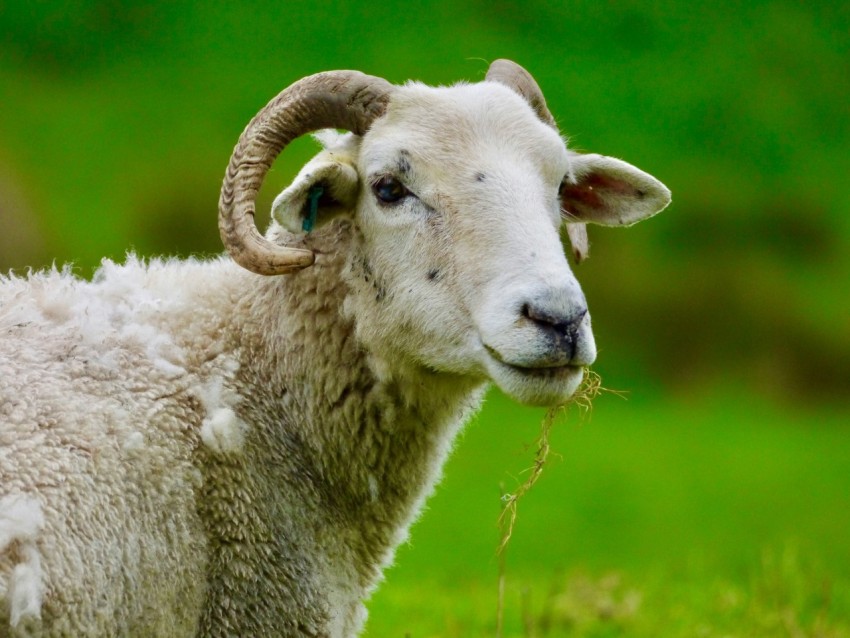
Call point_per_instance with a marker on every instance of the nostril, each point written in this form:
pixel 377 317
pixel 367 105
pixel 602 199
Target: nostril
pixel 574 323
pixel 541 314
pixel 553 319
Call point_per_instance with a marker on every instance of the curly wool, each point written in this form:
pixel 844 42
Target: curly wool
pixel 148 430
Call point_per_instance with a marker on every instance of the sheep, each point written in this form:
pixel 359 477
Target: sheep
pixel 207 448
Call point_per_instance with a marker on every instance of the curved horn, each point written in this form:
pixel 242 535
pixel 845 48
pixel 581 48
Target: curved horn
pixel 514 76
pixel 348 100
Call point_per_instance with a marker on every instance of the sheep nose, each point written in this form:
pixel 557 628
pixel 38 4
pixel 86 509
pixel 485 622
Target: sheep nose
pixel 561 326
pixel 553 319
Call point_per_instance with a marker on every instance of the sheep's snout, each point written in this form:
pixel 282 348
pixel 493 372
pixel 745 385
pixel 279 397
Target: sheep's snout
pixel 537 342
pixel 549 328
pixel 563 332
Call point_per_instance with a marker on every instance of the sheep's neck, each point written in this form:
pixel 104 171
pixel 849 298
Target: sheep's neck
pixel 372 443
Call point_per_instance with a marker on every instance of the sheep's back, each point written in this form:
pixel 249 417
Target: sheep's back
pixel 97 435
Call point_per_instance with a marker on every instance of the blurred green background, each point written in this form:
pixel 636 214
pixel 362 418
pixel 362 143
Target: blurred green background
pixel 715 500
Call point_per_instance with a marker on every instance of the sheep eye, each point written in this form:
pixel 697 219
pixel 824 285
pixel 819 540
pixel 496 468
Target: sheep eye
pixel 389 190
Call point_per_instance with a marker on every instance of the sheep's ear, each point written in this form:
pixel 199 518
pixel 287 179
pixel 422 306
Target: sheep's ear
pixel 326 188
pixel 578 241
pixel 608 191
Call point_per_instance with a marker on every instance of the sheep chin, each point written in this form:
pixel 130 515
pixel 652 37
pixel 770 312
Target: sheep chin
pixel 542 387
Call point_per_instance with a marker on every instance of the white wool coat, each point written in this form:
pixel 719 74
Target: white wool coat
pixel 188 449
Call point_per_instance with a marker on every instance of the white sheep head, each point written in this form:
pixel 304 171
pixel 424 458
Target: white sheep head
pixel 457 195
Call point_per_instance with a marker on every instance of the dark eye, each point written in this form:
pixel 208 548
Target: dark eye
pixel 389 190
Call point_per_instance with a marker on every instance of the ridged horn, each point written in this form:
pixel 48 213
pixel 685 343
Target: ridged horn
pixel 514 76
pixel 347 100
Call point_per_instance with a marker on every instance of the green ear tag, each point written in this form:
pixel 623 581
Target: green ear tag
pixel 313 196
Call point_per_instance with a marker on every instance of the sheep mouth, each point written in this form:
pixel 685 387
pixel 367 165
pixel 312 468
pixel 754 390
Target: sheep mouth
pixel 538 386
pixel 552 372
pixel 544 370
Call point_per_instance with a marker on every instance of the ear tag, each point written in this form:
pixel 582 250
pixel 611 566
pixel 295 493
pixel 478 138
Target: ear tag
pixel 313 197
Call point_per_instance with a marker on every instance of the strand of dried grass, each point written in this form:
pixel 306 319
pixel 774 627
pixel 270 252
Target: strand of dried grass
pixel 590 388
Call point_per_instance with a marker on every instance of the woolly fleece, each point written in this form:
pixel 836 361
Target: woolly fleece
pixel 153 480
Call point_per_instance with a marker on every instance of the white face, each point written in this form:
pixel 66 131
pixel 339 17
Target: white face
pixel 470 256
pixel 458 264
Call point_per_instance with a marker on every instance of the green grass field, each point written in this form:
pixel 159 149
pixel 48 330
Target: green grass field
pixel 712 516
pixel 687 510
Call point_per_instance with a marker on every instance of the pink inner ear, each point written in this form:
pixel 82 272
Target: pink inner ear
pixel 593 190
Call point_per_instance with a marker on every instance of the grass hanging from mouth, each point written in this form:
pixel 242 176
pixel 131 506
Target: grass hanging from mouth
pixel 590 388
